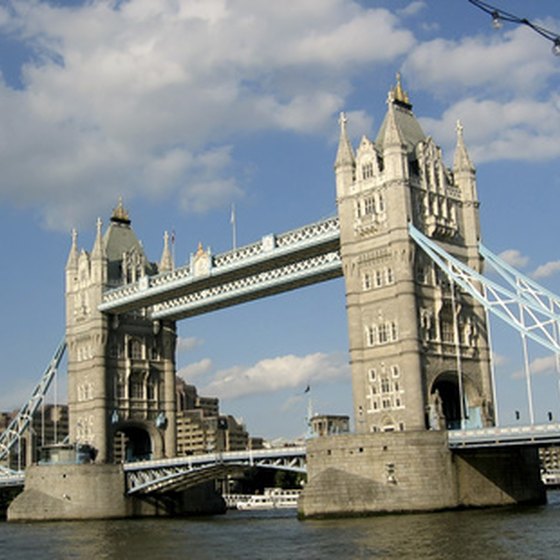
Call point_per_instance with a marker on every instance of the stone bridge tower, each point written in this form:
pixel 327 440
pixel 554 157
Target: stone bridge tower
pixel 121 369
pixel 419 348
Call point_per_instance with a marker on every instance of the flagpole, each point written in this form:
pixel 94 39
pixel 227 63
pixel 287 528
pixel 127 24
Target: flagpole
pixel 173 249
pixel 233 226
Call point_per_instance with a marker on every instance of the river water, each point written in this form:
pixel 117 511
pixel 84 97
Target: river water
pixel 498 533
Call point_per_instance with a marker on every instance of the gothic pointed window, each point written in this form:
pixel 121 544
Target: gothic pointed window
pixel 371 335
pixel 369 206
pixel 136 385
pixel 135 349
pixel 389 275
pixel 367 170
pixel 383 333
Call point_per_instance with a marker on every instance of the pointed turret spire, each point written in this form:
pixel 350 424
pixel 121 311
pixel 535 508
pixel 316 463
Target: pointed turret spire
pixel 97 251
pixel 166 262
pixel 461 160
pixel 392 135
pixel 345 153
pixel 72 261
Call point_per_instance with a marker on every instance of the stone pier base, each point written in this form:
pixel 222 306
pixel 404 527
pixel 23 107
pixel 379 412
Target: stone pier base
pixel 64 492
pixel 351 475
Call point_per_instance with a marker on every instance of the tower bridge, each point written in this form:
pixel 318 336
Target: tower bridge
pixel 407 241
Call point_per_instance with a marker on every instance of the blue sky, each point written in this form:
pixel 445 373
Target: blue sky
pixel 184 107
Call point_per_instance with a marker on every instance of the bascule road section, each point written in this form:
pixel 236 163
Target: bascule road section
pixel 179 473
pixel 275 264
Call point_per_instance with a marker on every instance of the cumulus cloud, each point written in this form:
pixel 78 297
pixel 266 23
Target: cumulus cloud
pixel 539 366
pixel 516 60
pixel 545 270
pixel 274 374
pixel 412 9
pixel 499 359
pixel 521 129
pixel 498 86
pixel 137 97
pixel 184 344
pixel 514 258
pixel 197 369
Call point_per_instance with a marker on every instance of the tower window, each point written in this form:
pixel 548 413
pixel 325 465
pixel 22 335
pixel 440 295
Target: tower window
pixel 369 206
pixel 135 349
pixel 136 384
pixel 389 275
pixel 385 385
pixel 367 170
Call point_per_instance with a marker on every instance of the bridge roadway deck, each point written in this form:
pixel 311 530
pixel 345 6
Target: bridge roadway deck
pixel 12 479
pixel 276 264
pixel 181 472
pixel 539 435
pixel 159 474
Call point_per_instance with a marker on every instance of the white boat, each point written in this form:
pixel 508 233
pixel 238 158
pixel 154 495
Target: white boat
pixel 273 498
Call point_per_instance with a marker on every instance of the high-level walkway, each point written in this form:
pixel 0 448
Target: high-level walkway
pixel 275 264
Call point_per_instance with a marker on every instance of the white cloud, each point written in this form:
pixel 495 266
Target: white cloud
pixel 412 9
pixel 539 366
pixel 188 343
pixel 499 359
pixel 274 374
pixel 521 129
pixel 514 258
pixel 499 86
pixel 545 270
pixel 129 97
pixel 197 369
pixel 517 60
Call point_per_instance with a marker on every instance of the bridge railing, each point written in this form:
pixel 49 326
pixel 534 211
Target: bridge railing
pixel 270 246
pixel 533 434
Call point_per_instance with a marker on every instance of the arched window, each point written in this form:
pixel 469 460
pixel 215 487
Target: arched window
pixel 136 385
pixel 367 170
pixel 135 349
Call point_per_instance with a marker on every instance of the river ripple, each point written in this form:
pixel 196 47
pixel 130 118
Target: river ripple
pixel 498 533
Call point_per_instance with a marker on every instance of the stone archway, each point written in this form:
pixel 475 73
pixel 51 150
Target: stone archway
pixel 136 442
pixel 445 403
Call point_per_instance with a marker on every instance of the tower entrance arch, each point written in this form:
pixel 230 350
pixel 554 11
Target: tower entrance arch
pixel 135 442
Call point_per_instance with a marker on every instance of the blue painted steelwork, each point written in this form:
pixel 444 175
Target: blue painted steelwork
pixel 17 427
pixel 161 475
pixel 523 313
pixel 526 287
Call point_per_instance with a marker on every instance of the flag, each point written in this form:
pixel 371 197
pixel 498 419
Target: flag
pixel 232 217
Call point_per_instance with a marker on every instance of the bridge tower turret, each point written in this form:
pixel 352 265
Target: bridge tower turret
pixel 121 369
pixel 418 348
